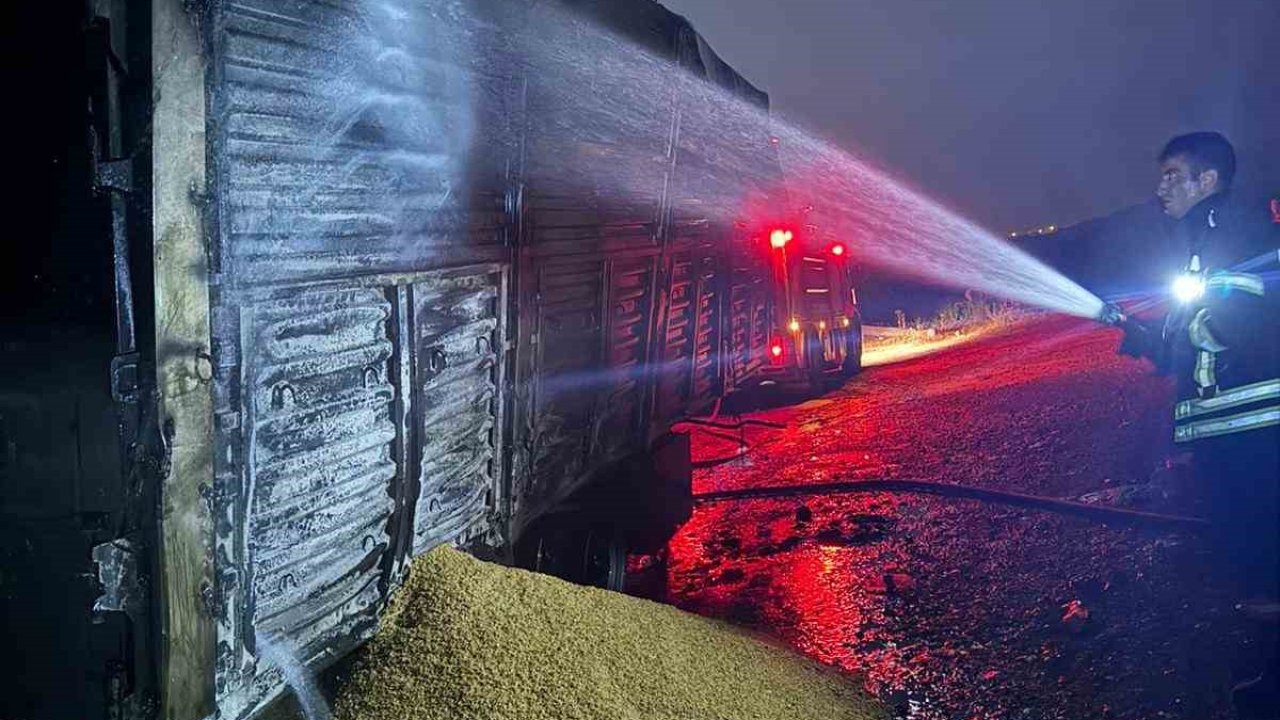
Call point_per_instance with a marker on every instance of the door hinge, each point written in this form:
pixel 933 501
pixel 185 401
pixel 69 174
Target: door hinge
pixel 113 175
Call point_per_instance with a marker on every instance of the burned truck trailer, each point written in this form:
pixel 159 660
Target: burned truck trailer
pixel 311 287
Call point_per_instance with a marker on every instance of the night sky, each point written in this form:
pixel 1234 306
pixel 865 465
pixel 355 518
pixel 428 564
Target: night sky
pixel 1015 113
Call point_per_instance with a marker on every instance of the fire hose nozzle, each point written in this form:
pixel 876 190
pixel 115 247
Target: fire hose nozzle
pixel 1112 315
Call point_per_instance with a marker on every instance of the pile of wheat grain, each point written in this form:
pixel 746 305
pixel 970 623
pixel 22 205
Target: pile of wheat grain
pixel 469 640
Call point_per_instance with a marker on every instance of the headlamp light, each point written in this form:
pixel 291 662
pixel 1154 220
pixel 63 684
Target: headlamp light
pixel 1188 287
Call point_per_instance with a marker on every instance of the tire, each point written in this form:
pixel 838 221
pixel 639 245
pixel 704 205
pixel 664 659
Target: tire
pixel 545 548
pixel 853 351
pixel 593 555
pixel 604 559
pixel 815 360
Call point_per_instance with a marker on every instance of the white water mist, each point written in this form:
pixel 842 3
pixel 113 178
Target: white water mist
pixel 296 676
pixel 886 223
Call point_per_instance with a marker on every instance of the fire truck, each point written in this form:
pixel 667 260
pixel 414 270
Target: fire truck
pixel 297 290
pixel 817 326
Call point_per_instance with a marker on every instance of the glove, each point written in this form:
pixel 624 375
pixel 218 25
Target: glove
pixel 1111 315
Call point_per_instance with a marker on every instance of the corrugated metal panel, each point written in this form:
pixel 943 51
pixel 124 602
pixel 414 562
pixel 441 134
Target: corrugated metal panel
pixel 748 322
pixel 597 142
pixel 622 402
pixel 347 390
pixel 673 382
pixel 568 370
pixel 588 384
pixel 305 519
pixel 561 224
pixel 458 342
pixel 320 435
pixel 363 214
pixel 706 331
pixel 345 131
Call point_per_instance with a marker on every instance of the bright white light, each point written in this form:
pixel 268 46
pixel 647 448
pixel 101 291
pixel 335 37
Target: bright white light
pixel 794 325
pixel 1188 288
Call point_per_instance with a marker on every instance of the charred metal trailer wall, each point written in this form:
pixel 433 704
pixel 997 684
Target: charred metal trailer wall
pixel 410 277
pixel 625 264
pixel 447 288
pixel 363 168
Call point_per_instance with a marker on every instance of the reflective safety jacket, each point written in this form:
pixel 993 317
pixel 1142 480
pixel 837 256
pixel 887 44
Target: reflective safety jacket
pixel 1222 338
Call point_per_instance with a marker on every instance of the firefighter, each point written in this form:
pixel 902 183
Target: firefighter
pixel 1221 341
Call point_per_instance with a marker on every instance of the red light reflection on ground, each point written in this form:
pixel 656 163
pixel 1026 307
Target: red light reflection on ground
pixel 809 573
pixel 851 579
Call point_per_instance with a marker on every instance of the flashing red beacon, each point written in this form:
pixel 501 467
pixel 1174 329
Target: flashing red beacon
pixel 776 351
pixel 778 239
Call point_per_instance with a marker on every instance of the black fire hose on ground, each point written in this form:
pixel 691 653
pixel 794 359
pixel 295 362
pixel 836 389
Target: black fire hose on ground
pixel 721 430
pixel 1101 513
pixel 738 425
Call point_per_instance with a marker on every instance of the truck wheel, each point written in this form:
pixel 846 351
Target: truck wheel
pixel 853 350
pixel 546 548
pixel 815 360
pixel 585 554
pixel 604 559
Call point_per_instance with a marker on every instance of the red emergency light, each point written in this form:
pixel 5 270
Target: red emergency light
pixel 837 250
pixel 778 239
pixel 776 351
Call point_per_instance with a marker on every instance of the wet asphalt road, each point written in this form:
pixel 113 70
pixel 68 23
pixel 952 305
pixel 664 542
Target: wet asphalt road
pixel 952 608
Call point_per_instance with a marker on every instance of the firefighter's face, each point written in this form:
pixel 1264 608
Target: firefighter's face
pixel 1181 187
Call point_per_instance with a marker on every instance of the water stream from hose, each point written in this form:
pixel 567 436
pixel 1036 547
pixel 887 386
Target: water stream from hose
pixel 296 676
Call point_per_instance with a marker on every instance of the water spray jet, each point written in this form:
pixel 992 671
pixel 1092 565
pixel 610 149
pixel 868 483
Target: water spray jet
pixel 296 676
pixel 880 220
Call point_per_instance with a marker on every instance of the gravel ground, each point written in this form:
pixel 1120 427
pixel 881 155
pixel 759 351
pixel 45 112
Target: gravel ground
pixel 958 609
